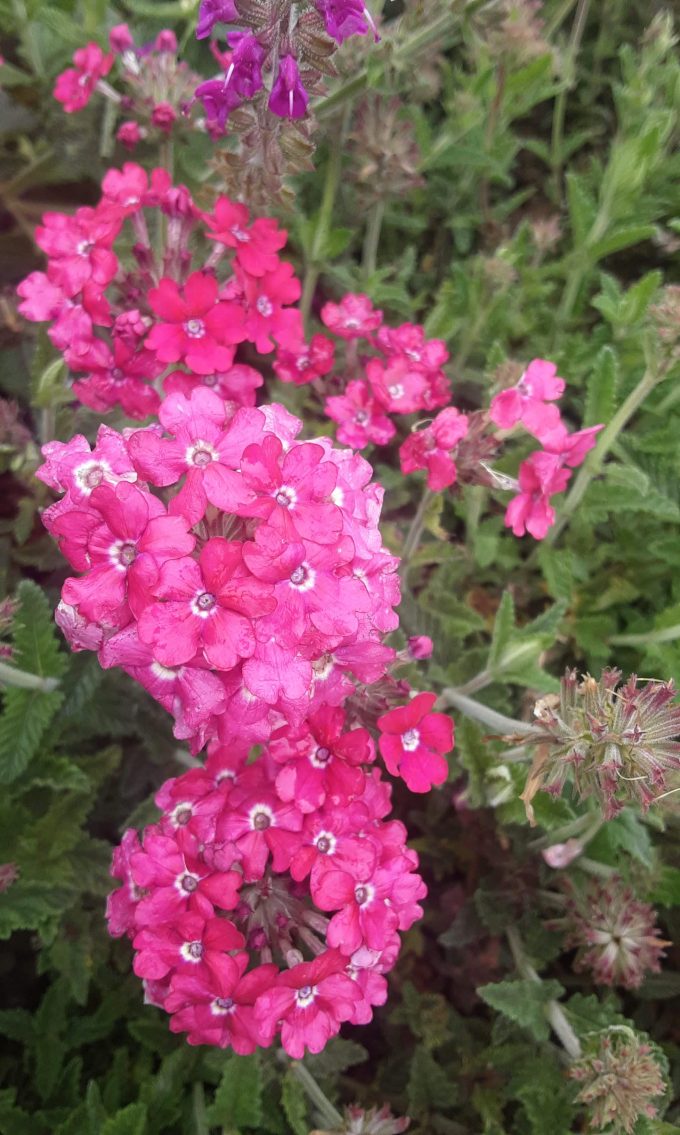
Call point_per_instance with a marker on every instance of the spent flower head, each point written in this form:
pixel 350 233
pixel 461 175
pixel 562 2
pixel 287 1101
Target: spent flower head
pixel 375 1121
pixel 616 741
pixel 614 933
pixel 620 1074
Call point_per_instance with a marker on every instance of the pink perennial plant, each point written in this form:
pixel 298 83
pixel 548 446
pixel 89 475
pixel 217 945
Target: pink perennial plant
pixel 237 572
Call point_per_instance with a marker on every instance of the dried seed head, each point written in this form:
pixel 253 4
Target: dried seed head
pixel 620 1074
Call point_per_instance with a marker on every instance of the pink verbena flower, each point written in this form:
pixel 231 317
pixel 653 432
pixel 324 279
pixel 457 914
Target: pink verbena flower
pixel 353 318
pixel 525 402
pixel 306 364
pixel 541 476
pixel 256 245
pixel 399 386
pixel 413 742
pixel 177 880
pixel 431 448
pixel 311 1000
pixel 360 416
pixel 206 606
pixel 79 248
pixel 192 944
pixel 321 760
pixel 268 316
pixel 74 87
pixel 119 377
pixel 220 1009
pixel 196 326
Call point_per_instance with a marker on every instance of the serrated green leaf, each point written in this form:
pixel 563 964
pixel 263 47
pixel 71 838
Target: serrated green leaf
pixel 294 1104
pixel 430 1087
pixel 666 890
pixel 582 208
pixel 337 1056
pixel 131 1120
pixel 523 1001
pixel 503 629
pixel 29 905
pixel 619 238
pixel 238 1099
pixel 601 388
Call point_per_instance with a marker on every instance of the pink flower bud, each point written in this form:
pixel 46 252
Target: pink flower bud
pixel 120 38
pixel 164 116
pixel 562 854
pixel 166 41
pixel 420 646
pixel 129 134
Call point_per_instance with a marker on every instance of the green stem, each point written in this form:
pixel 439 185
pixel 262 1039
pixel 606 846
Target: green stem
pixel 415 532
pixel 553 1010
pixel 479 682
pixel 323 224
pixel 482 713
pixel 372 238
pixel 22 680
pixel 200 1114
pixel 595 460
pixel 577 30
pixel 649 638
pixel 328 1112
pixel 593 867
pixel 586 827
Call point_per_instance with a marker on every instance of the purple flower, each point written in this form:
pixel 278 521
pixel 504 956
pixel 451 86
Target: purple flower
pixel 213 12
pixel 288 98
pixel 344 18
pixel 244 72
pixel 218 100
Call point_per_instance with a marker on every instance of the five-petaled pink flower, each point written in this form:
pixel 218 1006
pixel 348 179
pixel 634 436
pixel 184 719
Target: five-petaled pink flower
pixel 414 740
pixel 195 326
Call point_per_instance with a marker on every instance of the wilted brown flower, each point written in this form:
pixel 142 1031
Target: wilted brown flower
pixel 615 935
pixel 385 149
pixel 617 742
pixel 620 1076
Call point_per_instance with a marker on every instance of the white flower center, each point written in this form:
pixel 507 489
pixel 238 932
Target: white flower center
pixel 265 306
pixel 204 604
pixel 261 817
pixel 396 390
pixel 326 843
pixel 201 453
pixel 192 951
pixel 410 740
pixel 364 893
pixel 195 328
pixel 286 497
pixel 305 996
pixel 303 577
pixel 321 758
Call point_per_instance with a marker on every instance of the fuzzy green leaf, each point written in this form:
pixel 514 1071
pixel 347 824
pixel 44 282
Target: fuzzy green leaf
pixel 130 1120
pixel 238 1099
pixel 601 390
pixel 523 1001
pixel 430 1087
pixel 294 1104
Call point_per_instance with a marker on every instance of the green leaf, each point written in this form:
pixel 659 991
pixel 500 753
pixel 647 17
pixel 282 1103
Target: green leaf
pixel 626 832
pixel 620 238
pixel 294 1104
pixel 131 1120
pixel 503 628
pixel 28 713
pixel 238 1099
pixel 430 1087
pixel 523 1001
pixel 601 389
pixel 666 891
pixel 29 905
pixel 582 208
pixel 337 1056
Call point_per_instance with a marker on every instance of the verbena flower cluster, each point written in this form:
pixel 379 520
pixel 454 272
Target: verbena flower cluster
pixel 277 51
pixel 151 89
pixel 239 575
pixel 402 374
pixel 617 743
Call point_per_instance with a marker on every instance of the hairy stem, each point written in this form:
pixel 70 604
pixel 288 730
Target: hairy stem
pixel 327 1110
pixel 22 680
pixel 561 101
pixel 415 532
pixel 200 1114
pixel 483 714
pixel 372 238
pixel 553 1010
pixel 323 224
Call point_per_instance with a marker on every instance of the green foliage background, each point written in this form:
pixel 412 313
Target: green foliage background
pixel 579 129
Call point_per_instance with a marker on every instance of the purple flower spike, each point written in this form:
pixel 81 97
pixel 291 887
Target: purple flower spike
pixel 288 98
pixel 244 73
pixel 213 12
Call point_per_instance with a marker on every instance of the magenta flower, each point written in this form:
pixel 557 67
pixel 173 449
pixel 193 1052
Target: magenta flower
pixel 353 318
pixel 293 490
pixel 74 88
pixel 540 477
pixel 360 416
pixel 196 327
pixel 345 18
pixel 307 363
pixel 431 448
pixel 400 386
pixel 178 880
pixel 205 606
pixel 413 742
pixel 220 1010
pixel 213 12
pixel 119 377
pixel 311 1000
pixel 79 248
pixel 191 944
pixel 256 245
pixel 260 825
pixel 525 402
pixel 244 73
pixel 329 838
pixel 267 315
pixel 322 761
pixel 205 447
pixel 288 98
pixel 409 340
pixel 218 101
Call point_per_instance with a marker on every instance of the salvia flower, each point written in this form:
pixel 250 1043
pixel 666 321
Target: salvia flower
pixel 614 933
pixel 620 1075
pixel 615 742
